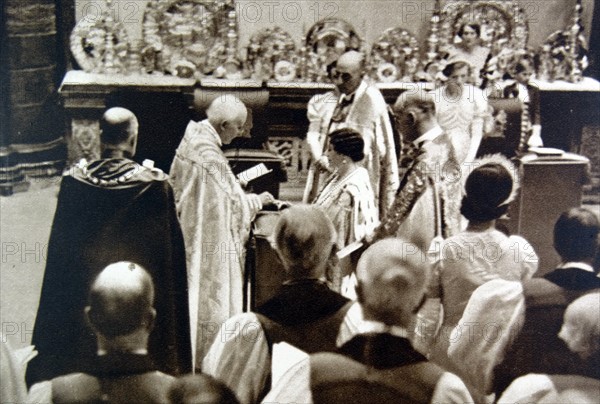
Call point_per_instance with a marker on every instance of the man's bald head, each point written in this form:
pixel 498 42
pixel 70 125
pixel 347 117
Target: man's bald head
pixel 121 300
pixel 119 130
pixel 392 276
pixel 351 60
pixel 227 114
pixel 348 71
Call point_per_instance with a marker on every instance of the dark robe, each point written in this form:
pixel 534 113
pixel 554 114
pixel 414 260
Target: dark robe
pixel 376 367
pixel 537 348
pixel 109 211
pixel 306 314
pixel 124 378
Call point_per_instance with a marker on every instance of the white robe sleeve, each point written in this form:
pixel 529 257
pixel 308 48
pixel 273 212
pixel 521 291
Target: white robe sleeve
pixel 293 387
pixel 494 314
pixel 239 356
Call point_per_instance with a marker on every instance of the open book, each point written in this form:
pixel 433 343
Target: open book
pixel 253 173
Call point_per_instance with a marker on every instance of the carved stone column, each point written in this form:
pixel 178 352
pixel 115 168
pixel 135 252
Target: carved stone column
pixel 31 136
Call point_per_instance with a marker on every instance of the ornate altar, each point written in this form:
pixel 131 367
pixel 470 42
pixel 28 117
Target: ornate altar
pixel 503 23
pixel 189 45
pixel 325 41
pixel 563 56
pixel 504 31
pixel 190 38
pixel 271 54
pixel 395 57
pixel 101 45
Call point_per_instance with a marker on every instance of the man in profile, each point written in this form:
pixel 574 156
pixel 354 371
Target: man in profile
pixel 121 315
pixel 215 215
pixel 427 203
pixel 108 210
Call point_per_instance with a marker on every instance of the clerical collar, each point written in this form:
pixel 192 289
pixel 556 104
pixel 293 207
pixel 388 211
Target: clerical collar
pixel 305 281
pixel 352 96
pixel 579 265
pixel 213 132
pixel 428 136
pixel 141 351
pixel 369 327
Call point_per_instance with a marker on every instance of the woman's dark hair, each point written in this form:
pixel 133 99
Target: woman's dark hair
pixel 349 143
pixel 576 235
pixel 476 28
pixel 487 189
pixel 452 67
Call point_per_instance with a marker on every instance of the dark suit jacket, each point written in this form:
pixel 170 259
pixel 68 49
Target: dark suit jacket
pixel 123 378
pixel 537 348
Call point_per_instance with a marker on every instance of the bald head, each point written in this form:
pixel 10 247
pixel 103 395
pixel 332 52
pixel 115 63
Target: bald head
pixel 348 71
pixel 581 326
pixel 351 60
pixel 121 300
pixel 304 238
pixel 392 276
pixel 119 130
pixel 227 114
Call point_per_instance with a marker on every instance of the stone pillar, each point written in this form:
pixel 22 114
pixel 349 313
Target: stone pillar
pixel 32 134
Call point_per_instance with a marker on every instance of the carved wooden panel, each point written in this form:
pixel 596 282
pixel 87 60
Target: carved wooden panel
pixel 85 140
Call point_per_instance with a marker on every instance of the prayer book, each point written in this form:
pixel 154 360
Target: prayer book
pixel 253 173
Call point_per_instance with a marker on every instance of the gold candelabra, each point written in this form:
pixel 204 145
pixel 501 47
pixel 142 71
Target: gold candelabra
pixel 575 73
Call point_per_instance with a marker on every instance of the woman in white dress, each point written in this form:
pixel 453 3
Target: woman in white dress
pixel 347 196
pixel 470 50
pixel 461 110
pixel 479 254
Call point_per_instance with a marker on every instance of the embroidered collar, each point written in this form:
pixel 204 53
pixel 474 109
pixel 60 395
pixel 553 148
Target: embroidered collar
pixel 108 172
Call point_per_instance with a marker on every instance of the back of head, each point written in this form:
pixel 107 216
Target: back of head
pixel 348 142
pixel 121 300
pixel 488 191
pixel 119 128
pixel 200 388
pixel 226 108
pixel 304 237
pixel 392 276
pixel 456 64
pixel 583 318
pixel 420 99
pixel 576 235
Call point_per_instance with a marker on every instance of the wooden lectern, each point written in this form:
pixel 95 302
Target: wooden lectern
pixel 549 186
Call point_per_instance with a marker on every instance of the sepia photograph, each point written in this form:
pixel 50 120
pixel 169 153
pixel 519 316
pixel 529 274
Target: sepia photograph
pixel 300 201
